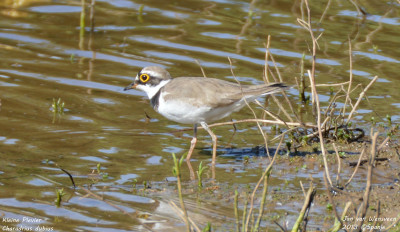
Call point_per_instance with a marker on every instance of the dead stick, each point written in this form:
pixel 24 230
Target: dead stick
pixel 339 164
pixel 351 78
pixel 309 125
pixel 331 201
pixel 181 215
pixel 254 113
pixel 321 139
pixel 360 98
pixel 362 210
pixel 355 170
pixel 329 85
pixel 307 204
pixel 258 184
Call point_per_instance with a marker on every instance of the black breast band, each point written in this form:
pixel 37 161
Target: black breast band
pixel 155 100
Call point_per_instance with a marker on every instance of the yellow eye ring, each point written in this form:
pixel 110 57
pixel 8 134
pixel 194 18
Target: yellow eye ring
pixel 144 78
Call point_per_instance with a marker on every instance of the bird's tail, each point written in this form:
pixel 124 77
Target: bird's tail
pixel 250 91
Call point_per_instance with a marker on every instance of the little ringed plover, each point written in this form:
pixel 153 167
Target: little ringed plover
pixel 196 100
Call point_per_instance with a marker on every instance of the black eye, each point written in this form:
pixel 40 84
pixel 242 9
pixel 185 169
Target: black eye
pixel 144 78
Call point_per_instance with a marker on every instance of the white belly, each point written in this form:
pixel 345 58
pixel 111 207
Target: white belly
pixel 181 112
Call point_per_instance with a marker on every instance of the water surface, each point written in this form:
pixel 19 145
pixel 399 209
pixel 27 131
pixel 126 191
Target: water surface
pixel 45 56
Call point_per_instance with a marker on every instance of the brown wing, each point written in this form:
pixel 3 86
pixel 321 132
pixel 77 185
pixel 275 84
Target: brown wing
pixel 213 92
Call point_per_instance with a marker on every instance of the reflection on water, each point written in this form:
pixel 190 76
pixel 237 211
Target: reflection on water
pixel 44 57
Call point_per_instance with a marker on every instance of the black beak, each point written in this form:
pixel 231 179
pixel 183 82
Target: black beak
pixel 131 86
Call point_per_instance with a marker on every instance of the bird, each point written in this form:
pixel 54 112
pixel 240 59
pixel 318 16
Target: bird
pixel 196 100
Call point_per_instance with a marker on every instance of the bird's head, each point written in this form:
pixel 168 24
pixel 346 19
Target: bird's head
pixel 150 79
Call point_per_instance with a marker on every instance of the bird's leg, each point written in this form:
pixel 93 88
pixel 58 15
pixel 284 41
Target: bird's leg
pixel 214 151
pixel 192 145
